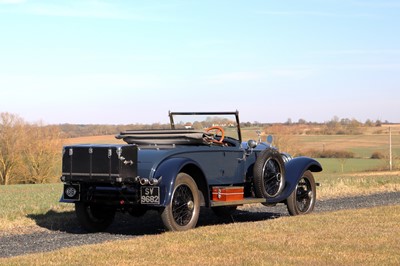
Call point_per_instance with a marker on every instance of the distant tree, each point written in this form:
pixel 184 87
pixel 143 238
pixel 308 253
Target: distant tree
pixel 302 121
pixel 369 123
pixel 377 155
pixel 198 125
pixel 11 131
pixel 41 153
pixel 332 126
pixel 345 121
pixel 246 124
pixel 256 124
pixel 283 139
pixel 355 123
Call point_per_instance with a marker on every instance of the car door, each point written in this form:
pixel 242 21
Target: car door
pixel 224 166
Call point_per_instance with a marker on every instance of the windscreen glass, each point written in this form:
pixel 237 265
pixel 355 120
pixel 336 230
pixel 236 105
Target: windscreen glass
pixel 203 122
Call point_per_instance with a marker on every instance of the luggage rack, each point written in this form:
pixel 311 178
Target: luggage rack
pixel 237 202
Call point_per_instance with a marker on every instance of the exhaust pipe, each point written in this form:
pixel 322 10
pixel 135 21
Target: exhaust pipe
pixel 153 182
pixel 148 181
pixel 144 181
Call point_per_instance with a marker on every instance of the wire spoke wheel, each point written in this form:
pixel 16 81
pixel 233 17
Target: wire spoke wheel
pixel 182 213
pixel 182 205
pixel 302 199
pixel 304 194
pixel 272 177
pixel 269 174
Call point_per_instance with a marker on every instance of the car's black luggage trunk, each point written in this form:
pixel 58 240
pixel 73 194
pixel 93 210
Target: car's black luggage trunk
pixel 99 163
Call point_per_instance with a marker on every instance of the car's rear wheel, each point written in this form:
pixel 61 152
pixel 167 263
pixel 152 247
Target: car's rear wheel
pixel 182 213
pixel 93 217
pixel 302 199
pixel 269 174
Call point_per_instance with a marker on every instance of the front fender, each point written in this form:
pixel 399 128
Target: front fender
pixel 294 170
pixel 168 170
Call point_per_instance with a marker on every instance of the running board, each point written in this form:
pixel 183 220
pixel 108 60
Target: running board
pixel 237 202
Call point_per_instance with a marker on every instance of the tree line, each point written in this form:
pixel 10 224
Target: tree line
pixel 335 126
pixel 29 152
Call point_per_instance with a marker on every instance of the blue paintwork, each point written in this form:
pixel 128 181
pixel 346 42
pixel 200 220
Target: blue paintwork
pixel 294 170
pixel 168 171
pixel 219 165
pixel 212 166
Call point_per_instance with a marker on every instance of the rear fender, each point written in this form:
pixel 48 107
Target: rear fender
pixel 294 170
pixel 168 170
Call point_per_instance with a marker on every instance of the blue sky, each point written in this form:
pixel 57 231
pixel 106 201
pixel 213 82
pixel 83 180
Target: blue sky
pixel 120 62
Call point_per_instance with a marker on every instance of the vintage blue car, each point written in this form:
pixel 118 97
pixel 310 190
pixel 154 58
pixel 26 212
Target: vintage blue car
pixel 200 161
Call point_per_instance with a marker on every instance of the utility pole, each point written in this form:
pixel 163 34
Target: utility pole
pixel 390 149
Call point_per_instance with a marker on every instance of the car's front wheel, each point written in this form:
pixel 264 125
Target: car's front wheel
pixel 302 199
pixel 93 217
pixel 182 213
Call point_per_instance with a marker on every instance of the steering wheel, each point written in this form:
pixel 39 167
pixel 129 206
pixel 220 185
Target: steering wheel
pixel 218 130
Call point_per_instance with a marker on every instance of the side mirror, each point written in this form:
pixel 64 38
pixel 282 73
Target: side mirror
pixel 270 139
pixel 252 144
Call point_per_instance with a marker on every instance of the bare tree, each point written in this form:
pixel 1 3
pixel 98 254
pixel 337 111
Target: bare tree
pixel 283 139
pixel 11 130
pixel 42 153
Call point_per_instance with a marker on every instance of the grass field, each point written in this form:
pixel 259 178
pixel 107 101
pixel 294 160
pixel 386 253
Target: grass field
pixel 334 166
pixel 347 240
pixel 347 237
pixel 20 203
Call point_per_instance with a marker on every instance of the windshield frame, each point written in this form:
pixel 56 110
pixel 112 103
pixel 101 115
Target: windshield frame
pixel 236 114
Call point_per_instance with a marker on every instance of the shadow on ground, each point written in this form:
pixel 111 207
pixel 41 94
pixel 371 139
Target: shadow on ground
pixel 148 224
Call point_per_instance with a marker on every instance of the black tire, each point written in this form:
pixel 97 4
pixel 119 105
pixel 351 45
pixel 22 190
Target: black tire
pixel 224 211
pixel 302 199
pixel 94 218
pixel 182 213
pixel 269 174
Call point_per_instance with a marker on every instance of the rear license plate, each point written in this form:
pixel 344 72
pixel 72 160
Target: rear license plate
pixel 150 195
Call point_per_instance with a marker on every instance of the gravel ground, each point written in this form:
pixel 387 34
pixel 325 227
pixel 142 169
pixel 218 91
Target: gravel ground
pixel 55 237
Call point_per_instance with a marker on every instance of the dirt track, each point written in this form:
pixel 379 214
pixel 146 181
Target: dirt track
pixel 54 237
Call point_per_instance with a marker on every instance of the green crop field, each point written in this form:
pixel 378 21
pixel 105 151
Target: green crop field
pixel 333 165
